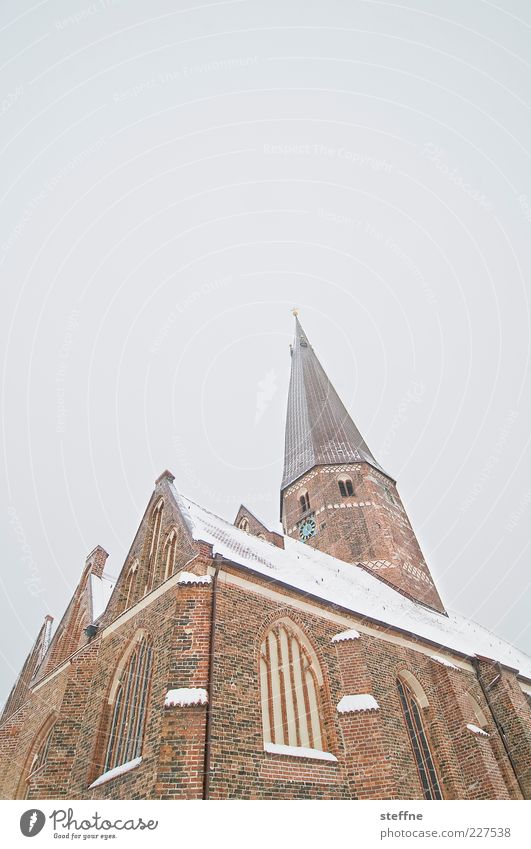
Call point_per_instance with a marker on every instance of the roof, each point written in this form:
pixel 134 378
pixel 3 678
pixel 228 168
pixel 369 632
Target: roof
pixel 348 586
pixel 319 430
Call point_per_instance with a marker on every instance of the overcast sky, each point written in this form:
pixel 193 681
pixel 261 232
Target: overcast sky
pixel 175 178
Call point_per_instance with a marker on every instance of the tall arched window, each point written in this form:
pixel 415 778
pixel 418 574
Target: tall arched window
pixel 346 487
pixel 413 701
pixel 128 698
pixel 477 714
pixel 130 586
pixel 290 680
pixel 304 501
pixel 156 522
pixel 170 554
pixel 39 756
pixel 244 524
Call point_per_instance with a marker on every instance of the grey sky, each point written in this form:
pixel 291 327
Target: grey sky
pixel 174 181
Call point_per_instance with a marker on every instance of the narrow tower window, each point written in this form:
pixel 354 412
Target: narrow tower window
pixel 290 679
pixel 419 741
pixel 128 712
pixel 304 501
pixel 346 487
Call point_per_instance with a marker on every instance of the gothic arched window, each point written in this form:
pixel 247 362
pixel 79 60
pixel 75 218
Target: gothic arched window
pixel 40 755
pixel 290 681
pixel 413 702
pixel 346 487
pixel 304 501
pixel 130 583
pixel 244 524
pixel 170 554
pixel 156 522
pixel 128 701
pixel 478 716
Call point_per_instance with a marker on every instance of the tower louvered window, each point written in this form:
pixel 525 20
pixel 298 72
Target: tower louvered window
pixel 419 742
pixel 129 707
pixel 290 679
pixel 304 501
pixel 346 487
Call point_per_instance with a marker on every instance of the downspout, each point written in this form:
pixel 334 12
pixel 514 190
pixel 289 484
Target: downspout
pixel 210 688
pixel 501 732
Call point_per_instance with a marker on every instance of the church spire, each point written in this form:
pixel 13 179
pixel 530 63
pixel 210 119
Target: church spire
pixel 335 496
pixel 319 430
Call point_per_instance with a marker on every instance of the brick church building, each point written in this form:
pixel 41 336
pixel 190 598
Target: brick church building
pixel 230 661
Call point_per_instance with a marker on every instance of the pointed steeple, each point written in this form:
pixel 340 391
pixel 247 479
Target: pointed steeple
pixel 319 430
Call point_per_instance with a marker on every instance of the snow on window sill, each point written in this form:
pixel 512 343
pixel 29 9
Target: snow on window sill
pixel 475 729
pixel 346 635
pixel 357 704
pixel 444 661
pixel 299 752
pixel 116 771
pixel 186 696
pixel 189 578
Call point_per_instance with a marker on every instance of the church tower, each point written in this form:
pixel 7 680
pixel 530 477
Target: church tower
pixel 335 496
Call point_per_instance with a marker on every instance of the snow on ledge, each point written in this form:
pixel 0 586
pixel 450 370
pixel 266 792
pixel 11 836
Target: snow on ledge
pixel 475 729
pixel 444 661
pixel 346 635
pixel 298 752
pixel 361 702
pixel 118 770
pixel 190 578
pixel 185 696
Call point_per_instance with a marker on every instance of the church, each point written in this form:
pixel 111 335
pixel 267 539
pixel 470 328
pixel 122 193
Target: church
pixel 229 661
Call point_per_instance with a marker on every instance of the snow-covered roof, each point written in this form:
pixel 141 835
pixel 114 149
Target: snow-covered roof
pixel 348 586
pixel 101 590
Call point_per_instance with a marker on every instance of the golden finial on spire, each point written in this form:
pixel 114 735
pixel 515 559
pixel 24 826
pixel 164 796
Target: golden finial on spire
pixel 295 311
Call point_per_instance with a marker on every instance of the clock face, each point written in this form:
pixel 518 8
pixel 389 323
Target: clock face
pixel 307 528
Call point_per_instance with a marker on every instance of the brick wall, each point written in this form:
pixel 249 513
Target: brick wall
pixel 370 527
